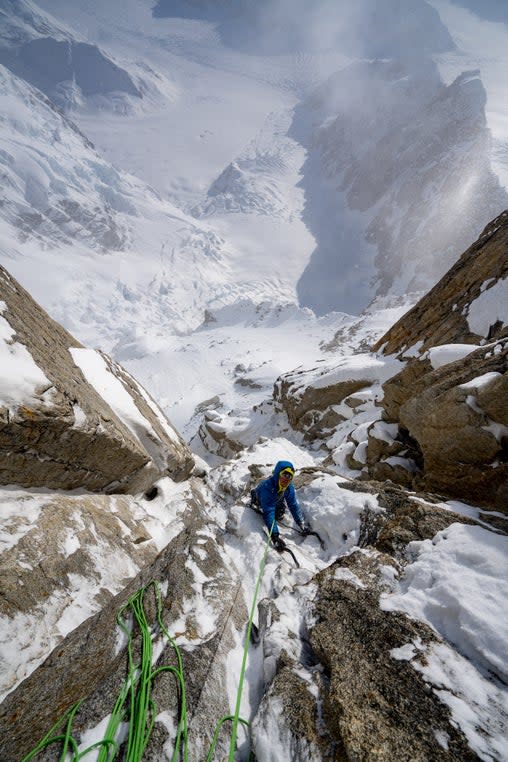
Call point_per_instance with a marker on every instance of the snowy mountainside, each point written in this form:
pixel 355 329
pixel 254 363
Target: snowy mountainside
pixel 268 173
pixel 133 255
pixel 261 179
pixel 481 44
pixel 390 206
pixel 231 362
pixel 414 168
pixel 47 54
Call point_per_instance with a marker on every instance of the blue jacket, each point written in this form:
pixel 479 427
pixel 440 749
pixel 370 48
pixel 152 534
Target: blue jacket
pixel 270 498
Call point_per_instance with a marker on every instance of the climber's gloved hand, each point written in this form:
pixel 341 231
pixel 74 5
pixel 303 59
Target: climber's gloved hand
pixel 278 542
pixel 304 527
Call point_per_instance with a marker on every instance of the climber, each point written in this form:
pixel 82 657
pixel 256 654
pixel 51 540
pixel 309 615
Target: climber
pixel 273 495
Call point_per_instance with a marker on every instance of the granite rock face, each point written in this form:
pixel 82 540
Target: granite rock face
pixel 376 707
pixel 441 317
pixel 57 429
pixel 460 421
pixel 350 683
pixel 448 405
pixel 90 663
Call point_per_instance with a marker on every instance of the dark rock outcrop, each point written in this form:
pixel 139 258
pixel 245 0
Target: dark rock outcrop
pixel 460 421
pixel 377 707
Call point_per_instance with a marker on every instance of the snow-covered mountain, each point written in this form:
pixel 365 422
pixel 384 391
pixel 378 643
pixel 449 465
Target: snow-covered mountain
pixel 281 169
pixel 48 55
pixel 103 238
pixel 408 157
pixel 211 192
pixel 275 174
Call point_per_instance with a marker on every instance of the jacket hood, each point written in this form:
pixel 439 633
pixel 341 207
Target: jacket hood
pixel 280 466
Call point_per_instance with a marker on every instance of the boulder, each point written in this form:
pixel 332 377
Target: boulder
pixel 310 396
pixel 460 421
pixel 451 427
pixel 375 706
pixel 71 417
pixel 216 433
pixel 305 409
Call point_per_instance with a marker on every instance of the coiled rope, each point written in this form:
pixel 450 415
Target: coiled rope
pixel 134 703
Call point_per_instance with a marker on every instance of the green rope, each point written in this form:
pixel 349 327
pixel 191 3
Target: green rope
pixel 217 731
pixel 50 738
pixel 179 674
pixel 235 718
pixel 136 691
pixel 141 710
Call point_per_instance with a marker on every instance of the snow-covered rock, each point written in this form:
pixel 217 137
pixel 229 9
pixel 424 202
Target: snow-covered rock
pixel 67 644
pixel 70 416
pixel 312 397
pixel 467 305
pixel 386 641
pixel 447 406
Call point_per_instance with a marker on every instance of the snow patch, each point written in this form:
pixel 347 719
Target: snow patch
pixel 446 353
pixel 489 308
pixel 456 583
pixel 480 381
pixel 20 376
